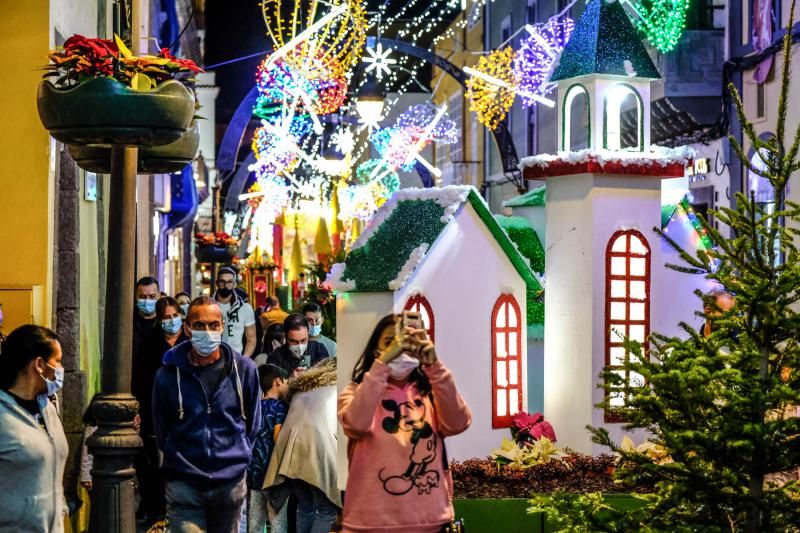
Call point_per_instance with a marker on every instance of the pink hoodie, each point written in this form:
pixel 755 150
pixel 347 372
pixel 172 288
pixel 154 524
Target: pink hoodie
pixel 396 478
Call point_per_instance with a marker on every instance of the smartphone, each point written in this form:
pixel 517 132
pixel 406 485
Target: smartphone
pixel 413 320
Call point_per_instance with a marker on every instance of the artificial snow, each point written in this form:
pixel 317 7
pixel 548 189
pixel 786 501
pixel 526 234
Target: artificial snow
pixel 450 198
pixel 629 70
pixel 658 155
pixel 414 259
pixel 335 280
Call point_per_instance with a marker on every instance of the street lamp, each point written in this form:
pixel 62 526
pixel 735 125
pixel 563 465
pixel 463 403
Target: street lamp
pixel 369 102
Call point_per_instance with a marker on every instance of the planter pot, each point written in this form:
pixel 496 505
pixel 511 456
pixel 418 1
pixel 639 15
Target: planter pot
pixel 165 159
pixel 215 254
pixel 104 111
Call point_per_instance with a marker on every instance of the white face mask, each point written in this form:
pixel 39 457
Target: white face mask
pixel 298 350
pixel 402 366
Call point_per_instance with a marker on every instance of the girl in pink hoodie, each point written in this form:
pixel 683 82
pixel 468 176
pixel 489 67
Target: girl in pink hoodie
pixel 396 413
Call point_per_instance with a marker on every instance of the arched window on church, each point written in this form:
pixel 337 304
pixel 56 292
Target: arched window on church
pixel 506 361
pixel 421 305
pixel 627 312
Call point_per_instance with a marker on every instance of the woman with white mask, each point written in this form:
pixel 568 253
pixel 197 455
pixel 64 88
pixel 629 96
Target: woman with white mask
pixel 33 448
pixel 401 404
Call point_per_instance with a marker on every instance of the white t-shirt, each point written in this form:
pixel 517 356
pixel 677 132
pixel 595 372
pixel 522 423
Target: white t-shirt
pixel 235 321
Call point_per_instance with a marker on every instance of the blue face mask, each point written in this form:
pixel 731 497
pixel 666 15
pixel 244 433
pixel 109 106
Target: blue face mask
pixel 314 331
pixel 145 306
pixel 185 309
pixel 54 385
pixel 171 326
pixel 205 343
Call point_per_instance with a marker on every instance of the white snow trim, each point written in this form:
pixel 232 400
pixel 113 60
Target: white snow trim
pixel 334 279
pixel 659 155
pixel 450 198
pixel 414 259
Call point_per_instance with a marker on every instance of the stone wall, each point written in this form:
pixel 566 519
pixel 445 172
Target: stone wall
pixel 67 311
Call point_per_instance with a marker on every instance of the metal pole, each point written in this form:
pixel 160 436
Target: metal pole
pixel 115 442
pixel 215 195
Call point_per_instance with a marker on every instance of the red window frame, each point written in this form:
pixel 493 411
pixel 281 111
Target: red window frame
pixel 417 303
pixel 611 342
pixel 505 303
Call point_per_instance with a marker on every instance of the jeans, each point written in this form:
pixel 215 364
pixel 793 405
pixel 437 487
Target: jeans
pixel 315 512
pixel 260 512
pixel 151 481
pixel 215 510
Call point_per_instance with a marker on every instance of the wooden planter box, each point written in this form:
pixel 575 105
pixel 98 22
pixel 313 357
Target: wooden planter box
pixel 105 111
pixel 172 157
pixel 511 514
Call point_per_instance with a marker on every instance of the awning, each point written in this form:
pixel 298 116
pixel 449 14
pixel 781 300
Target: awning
pixel 674 121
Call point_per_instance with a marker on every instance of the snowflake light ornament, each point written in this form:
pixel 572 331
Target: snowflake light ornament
pixel 344 141
pixel 379 60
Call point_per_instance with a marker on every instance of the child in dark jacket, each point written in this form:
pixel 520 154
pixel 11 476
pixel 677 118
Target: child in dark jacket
pixel 273 412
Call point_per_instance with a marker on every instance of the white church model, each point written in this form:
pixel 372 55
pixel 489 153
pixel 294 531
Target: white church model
pixel 605 274
pixel 440 251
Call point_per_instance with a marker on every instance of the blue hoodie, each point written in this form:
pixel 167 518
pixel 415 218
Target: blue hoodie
pixel 206 440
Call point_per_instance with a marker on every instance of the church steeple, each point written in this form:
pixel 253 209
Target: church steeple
pixel 606 62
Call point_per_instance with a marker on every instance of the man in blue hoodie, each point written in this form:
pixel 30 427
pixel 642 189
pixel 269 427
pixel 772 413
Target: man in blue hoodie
pixel 206 413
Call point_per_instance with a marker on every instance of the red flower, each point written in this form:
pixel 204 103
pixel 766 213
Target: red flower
pixel 187 64
pixel 533 426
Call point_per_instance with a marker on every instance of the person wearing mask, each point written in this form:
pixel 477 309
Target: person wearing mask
pixel 401 405
pixel 274 384
pixel 272 314
pixel 183 299
pixel 304 460
pixel 240 320
pixel 273 339
pixel 167 334
pixel 206 415
pixel 299 352
pixel 313 313
pixel 144 317
pixel 33 447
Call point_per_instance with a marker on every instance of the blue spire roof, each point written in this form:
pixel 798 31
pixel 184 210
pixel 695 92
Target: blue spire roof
pixel 605 42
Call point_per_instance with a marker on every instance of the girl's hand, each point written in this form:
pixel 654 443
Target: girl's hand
pixel 86 485
pixel 426 352
pixel 402 342
pixel 423 348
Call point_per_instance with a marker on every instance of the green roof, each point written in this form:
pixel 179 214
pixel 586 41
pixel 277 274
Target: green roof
pixel 411 224
pixel 532 198
pixel 603 41
pixel 521 232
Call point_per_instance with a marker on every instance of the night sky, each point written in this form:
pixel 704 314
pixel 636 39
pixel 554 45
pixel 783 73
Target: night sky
pixel 234 29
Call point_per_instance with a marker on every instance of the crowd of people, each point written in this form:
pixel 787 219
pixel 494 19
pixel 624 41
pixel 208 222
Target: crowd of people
pixel 238 418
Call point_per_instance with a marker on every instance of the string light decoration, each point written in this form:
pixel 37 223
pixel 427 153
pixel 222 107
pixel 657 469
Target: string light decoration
pixel 662 21
pixel 389 179
pixel 417 119
pixel 337 37
pixel 534 61
pixel 491 101
pixel 320 84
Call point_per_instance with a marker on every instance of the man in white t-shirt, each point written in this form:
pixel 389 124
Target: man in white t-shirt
pixel 240 321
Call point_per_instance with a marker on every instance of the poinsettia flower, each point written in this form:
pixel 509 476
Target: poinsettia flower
pixel 183 63
pixel 533 425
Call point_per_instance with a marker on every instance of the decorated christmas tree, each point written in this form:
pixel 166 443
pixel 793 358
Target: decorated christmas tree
pixel 722 404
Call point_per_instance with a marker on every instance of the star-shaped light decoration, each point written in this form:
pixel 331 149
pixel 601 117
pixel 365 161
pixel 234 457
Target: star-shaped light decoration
pixel 344 141
pixel 379 60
